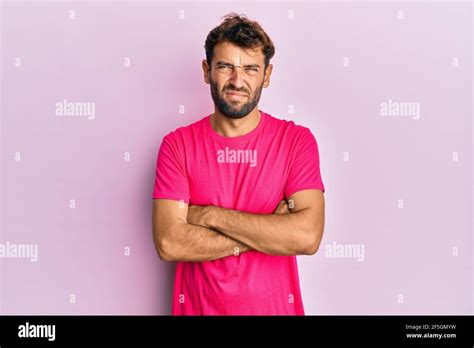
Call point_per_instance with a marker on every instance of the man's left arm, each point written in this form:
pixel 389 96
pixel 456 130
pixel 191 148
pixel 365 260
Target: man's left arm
pixel 299 232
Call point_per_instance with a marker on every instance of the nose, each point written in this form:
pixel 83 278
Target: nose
pixel 237 77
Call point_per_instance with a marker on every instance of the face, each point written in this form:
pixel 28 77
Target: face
pixel 236 76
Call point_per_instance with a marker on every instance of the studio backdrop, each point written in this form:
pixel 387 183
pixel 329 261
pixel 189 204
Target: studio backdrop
pixel 89 89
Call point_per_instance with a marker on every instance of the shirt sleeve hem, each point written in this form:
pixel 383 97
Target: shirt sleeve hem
pixel 171 195
pixel 304 187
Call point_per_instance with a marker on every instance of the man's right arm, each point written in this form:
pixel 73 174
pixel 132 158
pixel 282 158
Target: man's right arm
pixel 176 240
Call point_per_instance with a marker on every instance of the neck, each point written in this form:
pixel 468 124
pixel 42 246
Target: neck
pixel 230 127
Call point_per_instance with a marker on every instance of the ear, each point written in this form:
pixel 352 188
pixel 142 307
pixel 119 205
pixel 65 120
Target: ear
pixel 268 73
pixel 206 70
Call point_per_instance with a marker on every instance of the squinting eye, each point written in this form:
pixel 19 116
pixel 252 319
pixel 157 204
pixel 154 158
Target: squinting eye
pixel 251 71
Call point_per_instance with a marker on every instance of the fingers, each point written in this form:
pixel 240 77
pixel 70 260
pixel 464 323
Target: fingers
pixel 278 206
pixel 282 208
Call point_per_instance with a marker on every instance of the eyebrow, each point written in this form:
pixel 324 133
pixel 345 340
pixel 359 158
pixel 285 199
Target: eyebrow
pixel 245 66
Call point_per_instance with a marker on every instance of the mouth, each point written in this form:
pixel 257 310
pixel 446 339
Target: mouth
pixel 235 95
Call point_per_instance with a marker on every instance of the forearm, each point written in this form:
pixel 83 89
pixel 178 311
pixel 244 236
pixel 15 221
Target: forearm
pixel 288 234
pixel 189 242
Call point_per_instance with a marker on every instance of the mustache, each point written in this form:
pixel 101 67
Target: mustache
pixel 236 90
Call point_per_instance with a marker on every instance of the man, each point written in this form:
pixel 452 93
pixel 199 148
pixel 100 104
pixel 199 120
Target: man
pixel 238 194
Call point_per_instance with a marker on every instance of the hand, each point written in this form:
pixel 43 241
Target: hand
pixel 282 208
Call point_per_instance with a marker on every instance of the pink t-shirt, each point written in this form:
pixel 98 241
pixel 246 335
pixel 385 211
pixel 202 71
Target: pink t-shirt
pixel 201 167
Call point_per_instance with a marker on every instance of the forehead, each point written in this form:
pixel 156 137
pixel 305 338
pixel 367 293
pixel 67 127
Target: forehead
pixel 238 55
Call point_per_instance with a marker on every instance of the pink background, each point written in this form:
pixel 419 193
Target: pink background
pixel 409 266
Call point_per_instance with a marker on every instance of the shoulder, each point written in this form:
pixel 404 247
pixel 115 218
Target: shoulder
pixel 182 134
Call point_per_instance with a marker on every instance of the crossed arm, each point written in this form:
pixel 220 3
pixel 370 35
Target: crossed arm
pixel 203 233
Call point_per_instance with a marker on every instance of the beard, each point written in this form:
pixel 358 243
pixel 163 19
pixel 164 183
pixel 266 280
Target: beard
pixel 235 109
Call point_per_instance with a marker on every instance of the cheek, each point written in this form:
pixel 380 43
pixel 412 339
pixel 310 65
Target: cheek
pixel 254 87
pixel 218 81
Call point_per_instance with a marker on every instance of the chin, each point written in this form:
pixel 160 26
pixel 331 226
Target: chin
pixel 234 114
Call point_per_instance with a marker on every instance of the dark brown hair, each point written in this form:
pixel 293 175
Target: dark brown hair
pixel 243 32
